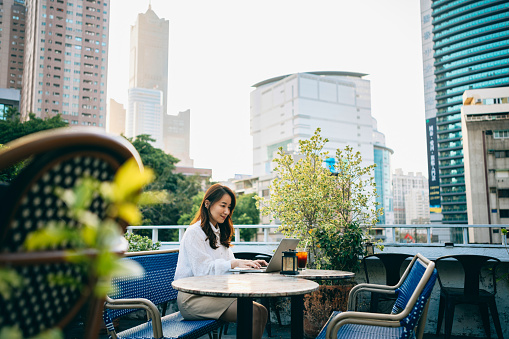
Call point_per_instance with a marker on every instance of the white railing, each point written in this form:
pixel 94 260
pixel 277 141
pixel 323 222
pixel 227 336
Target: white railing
pixel 181 228
pixel 432 234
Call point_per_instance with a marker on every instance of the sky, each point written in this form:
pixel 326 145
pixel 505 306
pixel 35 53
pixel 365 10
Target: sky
pixel 219 49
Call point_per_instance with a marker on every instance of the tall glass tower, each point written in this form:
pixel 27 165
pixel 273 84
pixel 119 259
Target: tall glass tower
pixel 465 46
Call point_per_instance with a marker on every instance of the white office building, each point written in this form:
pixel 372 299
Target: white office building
pixel 287 108
pixel 145 114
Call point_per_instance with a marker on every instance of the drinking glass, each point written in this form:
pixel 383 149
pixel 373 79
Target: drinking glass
pixel 302 258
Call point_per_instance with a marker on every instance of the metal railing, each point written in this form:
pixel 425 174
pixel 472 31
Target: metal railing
pixel 420 235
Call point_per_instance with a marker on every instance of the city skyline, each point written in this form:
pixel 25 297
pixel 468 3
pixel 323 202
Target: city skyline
pixel 219 52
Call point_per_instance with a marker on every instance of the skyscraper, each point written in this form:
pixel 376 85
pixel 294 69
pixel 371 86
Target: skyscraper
pixel 145 114
pixel 12 43
pixel 382 172
pixel 66 59
pixel 465 46
pixel 148 56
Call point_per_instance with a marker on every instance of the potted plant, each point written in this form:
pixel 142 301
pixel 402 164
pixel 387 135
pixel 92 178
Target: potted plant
pixel 329 208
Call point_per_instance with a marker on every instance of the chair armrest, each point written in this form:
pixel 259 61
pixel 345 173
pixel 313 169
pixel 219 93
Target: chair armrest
pixel 361 318
pixel 140 303
pixel 352 297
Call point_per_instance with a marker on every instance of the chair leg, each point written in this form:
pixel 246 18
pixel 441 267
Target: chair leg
pixel 441 307
pixel 374 302
pixel 226 328
pixel 483 309
pixel 496 319
pixel 449 316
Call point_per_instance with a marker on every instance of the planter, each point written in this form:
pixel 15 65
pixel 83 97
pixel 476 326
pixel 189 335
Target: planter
pixel 319 305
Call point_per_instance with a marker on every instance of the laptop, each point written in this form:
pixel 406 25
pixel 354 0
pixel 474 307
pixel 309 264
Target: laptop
pixel 275 262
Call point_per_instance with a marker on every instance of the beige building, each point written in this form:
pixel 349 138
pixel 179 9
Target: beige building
pixel 12 43
pixel 66 60
pixel 485 126
pixel 116 118
pixel 410 194
pixel 148 59
pixel 176 137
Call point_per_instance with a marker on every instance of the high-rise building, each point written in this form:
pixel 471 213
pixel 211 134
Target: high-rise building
pixel 465 46
pixel 116 118
pixel 382 157
pixel 12 43
pixel 409 190
pixel 144 114
pixel 176 137
pixel 66 59
pixel 148 56
pixel 290 108
pixel 485 126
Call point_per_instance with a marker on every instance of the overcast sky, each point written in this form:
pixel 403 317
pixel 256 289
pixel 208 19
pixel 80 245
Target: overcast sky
pixel 219 49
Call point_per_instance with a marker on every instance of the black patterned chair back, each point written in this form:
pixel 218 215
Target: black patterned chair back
pixel 53 290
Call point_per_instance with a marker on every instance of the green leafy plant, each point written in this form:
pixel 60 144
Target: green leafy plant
pixel 331 214
pixel 139 243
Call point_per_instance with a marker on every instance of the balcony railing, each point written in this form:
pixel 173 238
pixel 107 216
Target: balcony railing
pixel 412 235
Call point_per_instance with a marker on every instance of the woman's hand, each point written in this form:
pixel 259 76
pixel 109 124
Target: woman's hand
pixel 241 263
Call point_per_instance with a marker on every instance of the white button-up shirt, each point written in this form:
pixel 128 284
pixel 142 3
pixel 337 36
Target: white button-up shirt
pixel 197 258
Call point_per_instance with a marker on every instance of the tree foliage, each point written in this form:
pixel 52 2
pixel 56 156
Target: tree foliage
pixel 13 128
pixel 329 213
pixel 180 189
pixel 246 213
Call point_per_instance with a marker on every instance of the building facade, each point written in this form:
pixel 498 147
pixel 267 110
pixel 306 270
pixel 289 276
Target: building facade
pixel 383 180
pixel 176 137
pixel 485 126
pixel 289 108
pixel 465 46
pixel 9 98
pixel 116 118
pixel 144 114
pixel 12 43
pixel 409 190
pixel 66 60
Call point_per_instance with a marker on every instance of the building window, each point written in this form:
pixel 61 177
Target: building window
pixel 504 213
pixel 501 154
pixel 501 134
pixel 503 193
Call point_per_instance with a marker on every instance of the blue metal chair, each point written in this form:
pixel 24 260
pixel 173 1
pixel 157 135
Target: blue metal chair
pixel 392 263
pixel 54 158
pixel 408 315
pixel 145 293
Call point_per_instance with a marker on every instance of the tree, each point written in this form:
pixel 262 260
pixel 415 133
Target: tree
pixel 246 213
pixel 329 213
pixel 13 128
pixel 180 188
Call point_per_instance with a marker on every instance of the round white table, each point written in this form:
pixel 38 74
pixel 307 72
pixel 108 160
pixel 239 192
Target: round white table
pixel 245 287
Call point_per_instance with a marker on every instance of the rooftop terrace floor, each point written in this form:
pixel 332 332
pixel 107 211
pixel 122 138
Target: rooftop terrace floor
pixel 278 332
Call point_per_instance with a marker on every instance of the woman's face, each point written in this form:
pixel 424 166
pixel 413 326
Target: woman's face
pixel 220 209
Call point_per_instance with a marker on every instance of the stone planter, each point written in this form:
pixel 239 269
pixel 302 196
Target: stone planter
pixel 318 306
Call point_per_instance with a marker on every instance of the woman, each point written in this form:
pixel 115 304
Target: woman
pixel 205 250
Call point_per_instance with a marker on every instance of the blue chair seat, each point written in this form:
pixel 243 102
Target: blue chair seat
pixel 354 331
pixel 174 327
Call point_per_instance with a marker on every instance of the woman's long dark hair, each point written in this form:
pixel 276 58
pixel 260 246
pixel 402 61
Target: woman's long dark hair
pixel 213 194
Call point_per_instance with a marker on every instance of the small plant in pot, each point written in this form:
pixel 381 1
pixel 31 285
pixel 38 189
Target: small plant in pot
pixel 329 208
